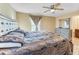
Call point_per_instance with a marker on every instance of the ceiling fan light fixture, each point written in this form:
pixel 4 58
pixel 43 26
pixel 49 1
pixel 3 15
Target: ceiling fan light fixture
pixel 52 10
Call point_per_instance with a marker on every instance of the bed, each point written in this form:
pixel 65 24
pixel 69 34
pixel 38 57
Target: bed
pixel 15 41
pixel 43 44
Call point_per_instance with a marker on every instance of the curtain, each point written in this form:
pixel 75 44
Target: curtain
pixel 36 20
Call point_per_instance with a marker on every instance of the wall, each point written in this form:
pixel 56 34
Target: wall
pixel 69 15
pixel 46 23
pixel 74 21
pixel 6 9
pixel 23 21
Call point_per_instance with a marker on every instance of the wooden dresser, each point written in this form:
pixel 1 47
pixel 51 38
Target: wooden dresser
pixel 77 33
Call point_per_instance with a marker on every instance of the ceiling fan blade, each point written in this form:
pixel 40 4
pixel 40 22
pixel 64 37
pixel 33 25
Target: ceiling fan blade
pixel 56 4
pixel 58 9
pixel 46 7
pixel 46 11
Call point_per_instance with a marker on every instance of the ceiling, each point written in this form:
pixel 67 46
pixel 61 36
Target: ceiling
pixel 37 8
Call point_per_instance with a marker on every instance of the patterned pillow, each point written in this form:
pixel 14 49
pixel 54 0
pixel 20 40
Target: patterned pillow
pixel 33 34
pixel 17 34
pixel 11 38
pixel 20 31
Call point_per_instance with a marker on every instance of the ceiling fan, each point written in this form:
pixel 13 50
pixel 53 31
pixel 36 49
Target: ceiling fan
pixel 53 8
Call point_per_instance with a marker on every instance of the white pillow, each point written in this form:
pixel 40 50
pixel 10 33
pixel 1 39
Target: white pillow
pixel 10 45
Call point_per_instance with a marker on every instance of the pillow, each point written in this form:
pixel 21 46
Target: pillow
pixel 20 35
pixel 21 31
pixel 10 44
pixel 11 38
pixel 33 34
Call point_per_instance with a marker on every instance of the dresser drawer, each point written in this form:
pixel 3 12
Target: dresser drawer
pixel 77 33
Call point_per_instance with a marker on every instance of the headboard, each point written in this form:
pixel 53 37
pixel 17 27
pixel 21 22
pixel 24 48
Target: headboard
pixel 7 25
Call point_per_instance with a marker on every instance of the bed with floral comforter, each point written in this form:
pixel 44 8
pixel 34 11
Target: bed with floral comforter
pixel 36 43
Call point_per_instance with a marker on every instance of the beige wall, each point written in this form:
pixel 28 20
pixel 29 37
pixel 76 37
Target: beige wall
pixel 6 9
pixel 69 15
pixel 74 21
pixel 23 21
pixel 46 23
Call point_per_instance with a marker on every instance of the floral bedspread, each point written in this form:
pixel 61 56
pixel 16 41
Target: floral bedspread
pixel 44 44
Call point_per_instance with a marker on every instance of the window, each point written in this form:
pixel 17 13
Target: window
pixel 67 23
pixel 33 26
